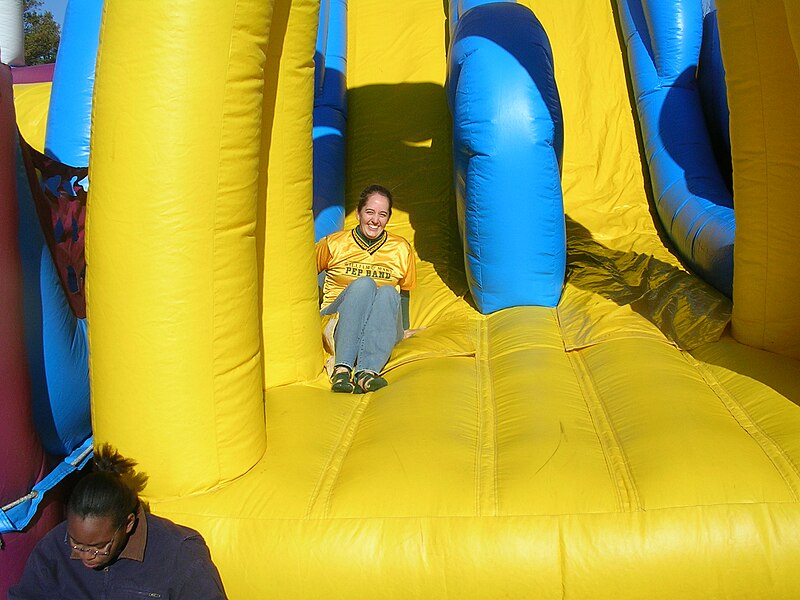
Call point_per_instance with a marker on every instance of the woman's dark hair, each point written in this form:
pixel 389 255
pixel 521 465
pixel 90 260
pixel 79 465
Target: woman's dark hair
pixel 374 189
pixel 112 490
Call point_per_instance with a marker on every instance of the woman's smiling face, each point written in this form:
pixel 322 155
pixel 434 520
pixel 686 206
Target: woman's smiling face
pixel 373 216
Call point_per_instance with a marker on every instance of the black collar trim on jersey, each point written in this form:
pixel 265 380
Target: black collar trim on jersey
pixel 363 242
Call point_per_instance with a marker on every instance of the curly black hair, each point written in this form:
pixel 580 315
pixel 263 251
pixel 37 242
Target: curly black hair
pixel 111 490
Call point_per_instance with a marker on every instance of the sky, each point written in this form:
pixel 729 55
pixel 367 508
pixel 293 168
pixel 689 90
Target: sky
pixel 57 7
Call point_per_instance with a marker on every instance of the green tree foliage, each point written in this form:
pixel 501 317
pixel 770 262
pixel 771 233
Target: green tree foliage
pixel 42 34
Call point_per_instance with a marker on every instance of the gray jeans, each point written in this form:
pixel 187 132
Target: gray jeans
pixel 369 324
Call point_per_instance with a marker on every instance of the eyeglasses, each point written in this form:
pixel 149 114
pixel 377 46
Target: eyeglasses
pixel 93 553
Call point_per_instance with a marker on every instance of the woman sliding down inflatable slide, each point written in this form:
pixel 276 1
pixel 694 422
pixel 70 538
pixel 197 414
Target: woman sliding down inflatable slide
pixel 595 409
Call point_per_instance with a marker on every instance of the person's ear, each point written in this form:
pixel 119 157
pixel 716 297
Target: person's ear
pixel 129 524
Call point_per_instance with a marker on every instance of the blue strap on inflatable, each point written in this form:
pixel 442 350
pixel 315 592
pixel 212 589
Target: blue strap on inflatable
pixel 17 515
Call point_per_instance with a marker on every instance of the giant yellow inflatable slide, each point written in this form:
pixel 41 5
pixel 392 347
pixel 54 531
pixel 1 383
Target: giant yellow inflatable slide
pixel 625 444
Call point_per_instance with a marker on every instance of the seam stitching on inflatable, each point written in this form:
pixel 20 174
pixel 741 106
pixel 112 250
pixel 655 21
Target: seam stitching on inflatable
pixel 490 419
pixel 332 468
pixel 749 507
pixel 495 448
pixel 216 380
pixel 562 559
pixel 479 415
pixel 344 449
pixel 391 366
pixel 786 468
pixel 616 460
pixel 766 179
pixel 577 365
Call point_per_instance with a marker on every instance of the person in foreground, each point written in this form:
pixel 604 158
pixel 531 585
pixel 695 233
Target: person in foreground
pixel 110 548
pixel 366 271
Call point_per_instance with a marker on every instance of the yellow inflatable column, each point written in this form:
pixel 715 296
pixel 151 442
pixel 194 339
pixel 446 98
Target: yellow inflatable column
pixel 763 81
pixel 172 256
pixel 290 319
pixel 32 103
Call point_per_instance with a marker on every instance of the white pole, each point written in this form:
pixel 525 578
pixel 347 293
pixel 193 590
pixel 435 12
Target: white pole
pixel 12 38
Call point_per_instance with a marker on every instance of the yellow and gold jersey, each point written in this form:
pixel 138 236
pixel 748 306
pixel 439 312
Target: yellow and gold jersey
pixel 345 257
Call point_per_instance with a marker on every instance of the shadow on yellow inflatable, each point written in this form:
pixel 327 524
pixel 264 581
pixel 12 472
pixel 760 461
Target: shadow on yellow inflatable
pixel 621 445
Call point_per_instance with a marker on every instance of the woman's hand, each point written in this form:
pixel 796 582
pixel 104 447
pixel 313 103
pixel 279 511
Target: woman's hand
pixel 412 332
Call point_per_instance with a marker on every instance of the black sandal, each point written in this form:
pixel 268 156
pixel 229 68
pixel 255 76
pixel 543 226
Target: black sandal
pixel 340 382
pixel 367 381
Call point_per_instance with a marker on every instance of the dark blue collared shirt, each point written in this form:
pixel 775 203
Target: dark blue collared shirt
pixel 161 560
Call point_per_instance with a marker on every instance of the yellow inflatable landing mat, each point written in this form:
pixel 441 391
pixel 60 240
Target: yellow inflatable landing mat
pixel 619 446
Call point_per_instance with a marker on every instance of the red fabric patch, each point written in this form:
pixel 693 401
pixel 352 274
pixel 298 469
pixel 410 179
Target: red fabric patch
pixel 59 193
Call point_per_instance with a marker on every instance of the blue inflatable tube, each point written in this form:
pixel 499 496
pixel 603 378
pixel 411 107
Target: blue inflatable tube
pixel 70 115
pixel 459 7
pixel 56 338
pixel 714 94
pixel 507 147
pixel 663 39
pixel 320 46
pixel 330 118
